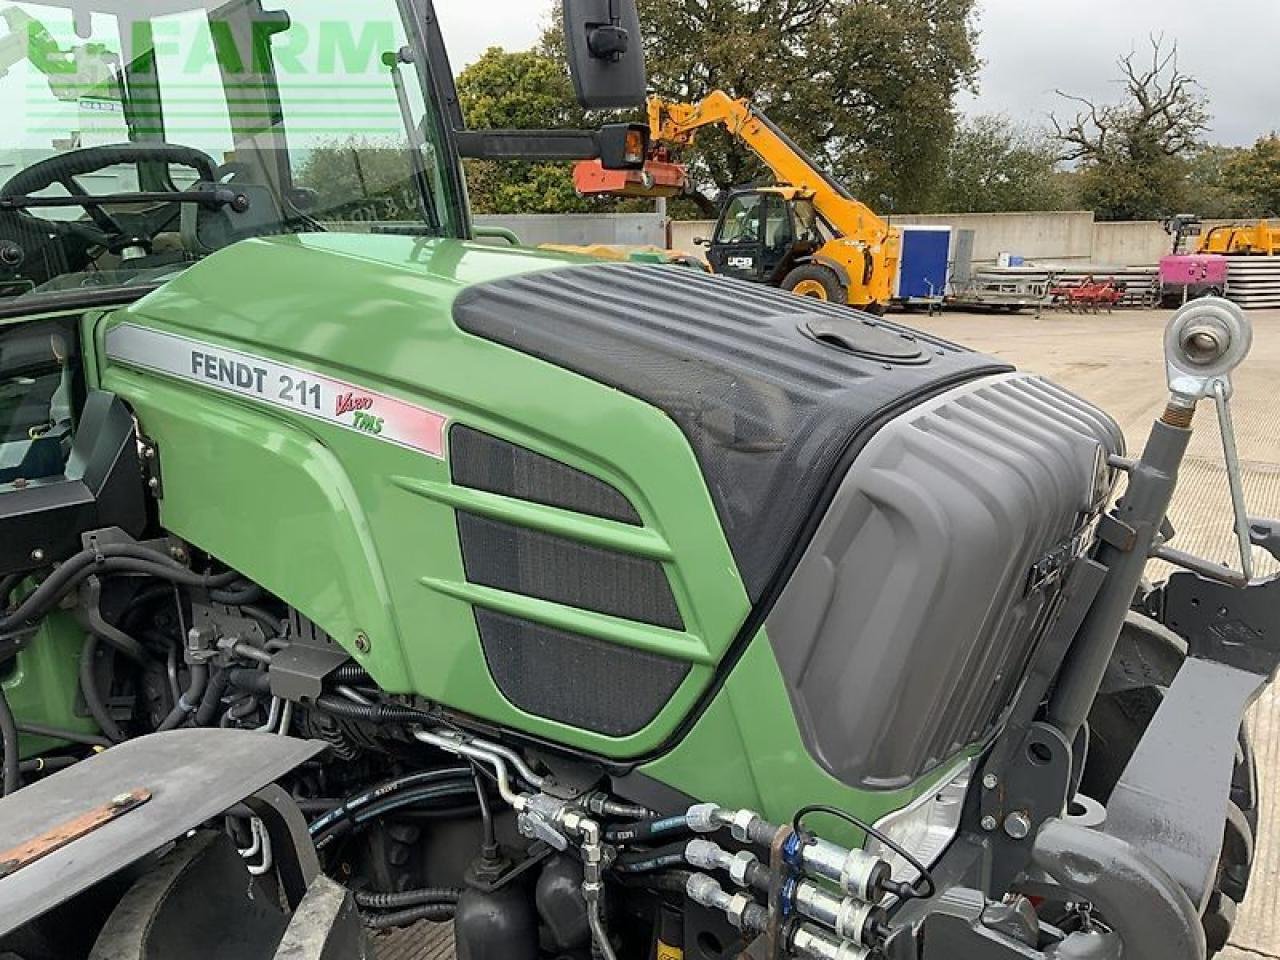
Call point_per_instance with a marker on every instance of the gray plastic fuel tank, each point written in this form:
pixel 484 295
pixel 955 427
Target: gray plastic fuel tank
pixel 909 621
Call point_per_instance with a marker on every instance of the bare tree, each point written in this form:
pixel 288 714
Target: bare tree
pixel 1163 111
pixel 1132 155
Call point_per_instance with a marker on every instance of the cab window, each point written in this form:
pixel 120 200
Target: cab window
pixel 741 220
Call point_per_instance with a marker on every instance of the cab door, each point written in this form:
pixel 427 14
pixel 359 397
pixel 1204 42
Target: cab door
pixel 737 250
pixel 779 236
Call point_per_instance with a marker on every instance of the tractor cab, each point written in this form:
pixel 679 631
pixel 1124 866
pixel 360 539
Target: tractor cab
pixel 765 234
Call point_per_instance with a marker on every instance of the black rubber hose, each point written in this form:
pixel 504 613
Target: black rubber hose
pixel 92 697
pixel 372 713
pixel 57 733
pixel 238 595
pixel 212 698
pixel 189 702
pixel 7 586
pixel 407 898
pixel 382 808
pixel 668 881
pixel 253 681
pixel 110 558
pixel 647 861
pixel 9 744
pixel 47 764
pixel 434 912
pixel 643 831
pixel 383 790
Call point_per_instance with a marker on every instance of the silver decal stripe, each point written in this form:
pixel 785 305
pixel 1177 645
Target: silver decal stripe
pixel 280 385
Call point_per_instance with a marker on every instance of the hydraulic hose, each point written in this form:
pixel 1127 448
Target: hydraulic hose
pixel 435 912
pixel 89 690
pixel 382 790
pixel 238 595
pixel 212 698
pixel 189 702
pixel 374 811
pixel 643 831
pixel 254 681
pixel 9 743
pixel 649 861
pixel 407 898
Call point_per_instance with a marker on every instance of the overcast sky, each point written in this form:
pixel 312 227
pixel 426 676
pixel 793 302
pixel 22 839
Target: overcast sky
pixel 1031 47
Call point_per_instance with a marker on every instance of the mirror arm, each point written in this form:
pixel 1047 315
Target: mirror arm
pixel 528 144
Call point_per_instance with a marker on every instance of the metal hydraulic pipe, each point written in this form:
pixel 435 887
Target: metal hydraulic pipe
pixel 452 743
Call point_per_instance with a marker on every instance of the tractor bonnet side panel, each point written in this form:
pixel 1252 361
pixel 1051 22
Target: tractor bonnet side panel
pixel 475 526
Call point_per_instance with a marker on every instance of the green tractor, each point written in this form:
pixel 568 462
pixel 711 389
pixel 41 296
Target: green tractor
pixel 358 576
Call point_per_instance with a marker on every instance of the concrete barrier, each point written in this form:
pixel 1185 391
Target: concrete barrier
pixel 1066 237
pixel 1033 236
pixel 582 229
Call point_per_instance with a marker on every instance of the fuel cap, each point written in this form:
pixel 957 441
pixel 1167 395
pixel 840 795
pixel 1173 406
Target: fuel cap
pixel 862 339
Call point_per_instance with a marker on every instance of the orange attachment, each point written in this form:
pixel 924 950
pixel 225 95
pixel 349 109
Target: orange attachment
pixel 659 178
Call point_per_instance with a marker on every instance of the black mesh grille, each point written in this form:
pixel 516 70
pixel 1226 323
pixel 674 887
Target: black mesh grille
pixel 769 412
pixel 483 462
pixel 553 568
pixel 576 680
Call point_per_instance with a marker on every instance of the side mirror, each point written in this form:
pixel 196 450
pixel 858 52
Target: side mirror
pixel 606 53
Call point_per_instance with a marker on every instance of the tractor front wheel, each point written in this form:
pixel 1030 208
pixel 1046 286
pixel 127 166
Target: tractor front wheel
pixel 817 282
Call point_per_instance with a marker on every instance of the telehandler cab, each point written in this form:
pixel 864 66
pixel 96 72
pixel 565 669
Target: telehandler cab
pixel 356 575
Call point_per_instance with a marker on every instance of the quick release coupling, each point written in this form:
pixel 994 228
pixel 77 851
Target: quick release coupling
pixel 861 875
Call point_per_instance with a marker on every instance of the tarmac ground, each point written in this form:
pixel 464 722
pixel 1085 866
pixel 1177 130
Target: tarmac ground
pixel 1116 361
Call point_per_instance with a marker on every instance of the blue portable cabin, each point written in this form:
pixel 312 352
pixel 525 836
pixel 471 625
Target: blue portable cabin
pixel 924 270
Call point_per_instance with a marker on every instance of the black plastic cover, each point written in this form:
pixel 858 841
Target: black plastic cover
pixel 102 487
pixel 769 411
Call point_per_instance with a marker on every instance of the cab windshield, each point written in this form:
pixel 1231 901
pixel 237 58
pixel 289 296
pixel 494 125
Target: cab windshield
pixel 141 135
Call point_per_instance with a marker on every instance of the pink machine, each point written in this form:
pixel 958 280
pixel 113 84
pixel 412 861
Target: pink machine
pixel 1188 275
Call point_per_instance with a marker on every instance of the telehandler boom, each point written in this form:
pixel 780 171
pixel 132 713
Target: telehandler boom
pixel 808 233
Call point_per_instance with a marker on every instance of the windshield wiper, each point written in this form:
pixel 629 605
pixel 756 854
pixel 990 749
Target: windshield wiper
pixel 215 198
pixel 426 198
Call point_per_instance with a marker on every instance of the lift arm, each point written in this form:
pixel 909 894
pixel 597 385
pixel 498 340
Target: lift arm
pixel 677 124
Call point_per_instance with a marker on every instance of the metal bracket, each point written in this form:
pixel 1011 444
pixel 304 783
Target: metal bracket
pixel 151 466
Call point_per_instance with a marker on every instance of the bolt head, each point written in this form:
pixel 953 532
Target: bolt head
pixel 989 823
pixel 154 483
pixel 362 641
pixel 37 555
pixel 991 781
pixel 1017 825
pixel 123 800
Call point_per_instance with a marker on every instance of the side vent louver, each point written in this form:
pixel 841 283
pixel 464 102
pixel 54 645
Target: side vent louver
pixel 486 463
pixel 550 672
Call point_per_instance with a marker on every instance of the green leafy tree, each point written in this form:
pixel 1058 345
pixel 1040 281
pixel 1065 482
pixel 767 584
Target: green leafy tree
pixel 994 166
pixel 1134 154
pixel 866 86
pixel 1209 193
pixel 1253 176
pixel 528 90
